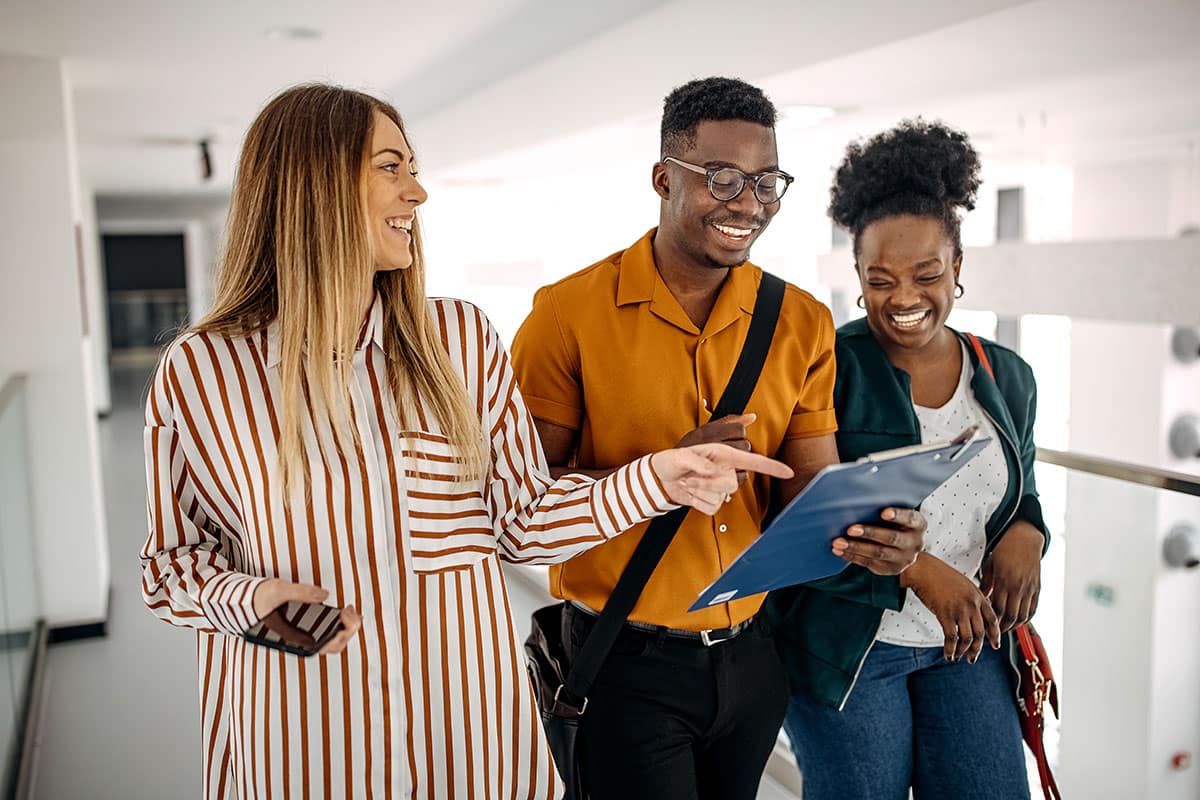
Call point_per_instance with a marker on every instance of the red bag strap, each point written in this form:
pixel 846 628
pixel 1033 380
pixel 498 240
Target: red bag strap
pixel 1037 666
pixel 983 359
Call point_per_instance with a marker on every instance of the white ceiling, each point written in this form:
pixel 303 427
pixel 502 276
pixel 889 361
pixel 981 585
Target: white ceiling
pixel 480 78
pixel 1063 81
pixel 1073 81
pixel 150 78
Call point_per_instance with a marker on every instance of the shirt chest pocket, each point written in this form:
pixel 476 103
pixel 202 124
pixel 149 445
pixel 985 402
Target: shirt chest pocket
pixel 449 524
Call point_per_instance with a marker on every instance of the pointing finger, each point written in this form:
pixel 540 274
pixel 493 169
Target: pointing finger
pixel 751 462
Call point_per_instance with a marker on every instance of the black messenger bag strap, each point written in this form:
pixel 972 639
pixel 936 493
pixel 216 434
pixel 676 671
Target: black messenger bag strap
pixel 586 665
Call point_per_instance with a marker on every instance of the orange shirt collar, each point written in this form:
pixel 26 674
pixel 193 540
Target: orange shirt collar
pixel 639 282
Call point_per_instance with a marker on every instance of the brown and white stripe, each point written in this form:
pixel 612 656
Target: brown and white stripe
pixel 431 699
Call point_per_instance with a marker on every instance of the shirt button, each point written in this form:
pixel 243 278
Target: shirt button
pixel 722 527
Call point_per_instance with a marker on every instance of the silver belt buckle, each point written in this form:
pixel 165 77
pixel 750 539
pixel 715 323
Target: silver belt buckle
pixel 709 641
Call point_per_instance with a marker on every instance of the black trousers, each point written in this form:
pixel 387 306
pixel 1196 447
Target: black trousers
pixel 671 719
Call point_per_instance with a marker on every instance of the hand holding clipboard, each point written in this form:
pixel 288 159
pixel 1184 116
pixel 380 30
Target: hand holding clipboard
pixel 796 547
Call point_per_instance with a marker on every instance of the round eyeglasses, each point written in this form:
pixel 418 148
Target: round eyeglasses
pixel 726 183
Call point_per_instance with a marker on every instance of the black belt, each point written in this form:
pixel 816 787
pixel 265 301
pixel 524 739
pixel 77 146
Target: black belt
pixel 706 637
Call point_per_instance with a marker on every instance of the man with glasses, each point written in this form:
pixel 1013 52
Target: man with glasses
pixel 631 355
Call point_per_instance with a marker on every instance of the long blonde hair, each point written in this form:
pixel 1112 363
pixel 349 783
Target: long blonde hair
pixel 298 252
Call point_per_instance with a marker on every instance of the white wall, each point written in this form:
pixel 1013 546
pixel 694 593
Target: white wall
pixel 41 334
pixel 1122 201
pixel 95 295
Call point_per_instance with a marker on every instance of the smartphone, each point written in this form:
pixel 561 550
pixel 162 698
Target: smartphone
pixel 298 628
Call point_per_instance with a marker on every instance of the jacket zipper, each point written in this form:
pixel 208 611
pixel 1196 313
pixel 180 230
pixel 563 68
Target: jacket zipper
pixel 1020 471
pixel 861 661
pixel 1016 452
pixel 1020 493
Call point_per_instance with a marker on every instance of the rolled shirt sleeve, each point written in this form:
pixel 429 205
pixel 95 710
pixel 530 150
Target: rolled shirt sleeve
pixel 814 414
pixel 549 382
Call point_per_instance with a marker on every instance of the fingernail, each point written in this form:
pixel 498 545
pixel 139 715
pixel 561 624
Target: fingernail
pixel 855 530
pixel 889 513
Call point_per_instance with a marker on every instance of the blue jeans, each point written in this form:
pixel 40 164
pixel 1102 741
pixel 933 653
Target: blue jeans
pixel 948 729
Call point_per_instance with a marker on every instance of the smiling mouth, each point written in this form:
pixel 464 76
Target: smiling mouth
pixel 733 233
pixel 400 224
pixel 909 320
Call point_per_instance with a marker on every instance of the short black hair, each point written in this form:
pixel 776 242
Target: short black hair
pixel 712 98
pixel 926 169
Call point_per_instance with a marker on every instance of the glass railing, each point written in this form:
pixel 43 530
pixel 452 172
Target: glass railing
pixel 1120 594
pixel 1117 613
pixel 22 633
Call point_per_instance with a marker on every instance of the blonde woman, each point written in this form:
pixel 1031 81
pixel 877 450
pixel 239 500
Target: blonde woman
pixel 329 434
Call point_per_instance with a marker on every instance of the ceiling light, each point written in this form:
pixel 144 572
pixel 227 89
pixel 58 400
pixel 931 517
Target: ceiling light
pixel 293 33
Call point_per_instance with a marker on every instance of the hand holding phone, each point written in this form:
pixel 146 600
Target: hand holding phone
pixel 293 619
pixel 298 628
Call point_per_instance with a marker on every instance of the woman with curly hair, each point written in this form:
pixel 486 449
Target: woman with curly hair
pixel 903 682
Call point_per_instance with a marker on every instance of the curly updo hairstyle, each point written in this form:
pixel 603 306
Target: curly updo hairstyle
pixel 926 169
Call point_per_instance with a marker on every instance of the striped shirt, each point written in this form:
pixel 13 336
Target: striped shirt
pixel 431 699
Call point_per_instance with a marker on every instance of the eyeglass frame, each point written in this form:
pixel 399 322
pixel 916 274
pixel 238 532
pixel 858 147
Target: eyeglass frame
pixel 710 172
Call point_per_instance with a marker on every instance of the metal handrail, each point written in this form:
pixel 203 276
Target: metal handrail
pixel 1122 471
pixel 16 763
pixel 11 387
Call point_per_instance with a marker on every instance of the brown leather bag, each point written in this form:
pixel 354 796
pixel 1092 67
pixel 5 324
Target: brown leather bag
pixel 1035 686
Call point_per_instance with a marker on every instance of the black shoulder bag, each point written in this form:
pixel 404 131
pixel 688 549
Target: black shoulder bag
pixel 561 688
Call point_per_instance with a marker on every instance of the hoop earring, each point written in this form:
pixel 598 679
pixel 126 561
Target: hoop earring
pixel 861 303
pixel 959 291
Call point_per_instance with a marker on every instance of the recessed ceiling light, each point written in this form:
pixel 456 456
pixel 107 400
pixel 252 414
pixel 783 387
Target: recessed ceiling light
pixel 293 33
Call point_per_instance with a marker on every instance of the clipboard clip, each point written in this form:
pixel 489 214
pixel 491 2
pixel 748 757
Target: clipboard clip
pixel 965 440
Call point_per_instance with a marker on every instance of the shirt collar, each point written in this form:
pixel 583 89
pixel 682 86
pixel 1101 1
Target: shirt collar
pixel 638 274
pixel 639 282
pixel 371 332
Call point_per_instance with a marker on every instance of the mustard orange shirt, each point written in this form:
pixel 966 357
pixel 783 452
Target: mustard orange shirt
pixel 610 353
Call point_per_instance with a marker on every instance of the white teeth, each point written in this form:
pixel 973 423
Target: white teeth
pixel 730 231
pixel 400 224
pixel 910 320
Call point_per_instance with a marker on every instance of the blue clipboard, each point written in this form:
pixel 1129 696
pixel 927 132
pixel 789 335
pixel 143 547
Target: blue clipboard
pixel 798 546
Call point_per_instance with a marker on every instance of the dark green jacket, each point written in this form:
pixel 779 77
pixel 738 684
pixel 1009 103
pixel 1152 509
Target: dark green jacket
pixel 824 629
